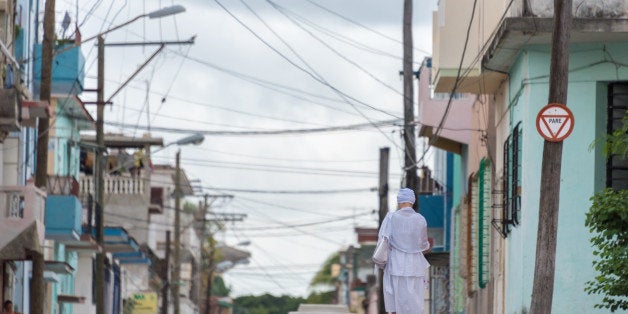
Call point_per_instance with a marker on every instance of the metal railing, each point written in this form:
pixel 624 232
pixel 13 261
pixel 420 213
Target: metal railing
pixel 62 185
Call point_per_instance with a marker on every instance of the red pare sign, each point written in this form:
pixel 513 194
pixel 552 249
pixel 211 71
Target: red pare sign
pixel 555 122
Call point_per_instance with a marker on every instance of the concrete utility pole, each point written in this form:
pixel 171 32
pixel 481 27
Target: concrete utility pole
pixel 37 294
pixel 164 276
pixel 176 284
pixel 543 288
pixel 412 179
pixel 383 210
pixel 99 276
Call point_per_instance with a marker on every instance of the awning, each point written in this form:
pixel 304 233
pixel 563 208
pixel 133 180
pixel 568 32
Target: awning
pixel 50 276
pixel 58 267
pixel 33 109
pixel 123 247
pixel 66 298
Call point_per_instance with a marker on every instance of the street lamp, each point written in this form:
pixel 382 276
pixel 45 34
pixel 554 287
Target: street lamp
pixel 99 277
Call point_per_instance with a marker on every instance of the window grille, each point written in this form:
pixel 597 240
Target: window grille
pixel 474 230
pixel 511 184
pixel 617 167
pixel 484 221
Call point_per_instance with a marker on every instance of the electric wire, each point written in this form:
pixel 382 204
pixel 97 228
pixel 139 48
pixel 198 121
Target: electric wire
pixel 351 127
pixel 424 52
pixel 332 49
pixel 312 75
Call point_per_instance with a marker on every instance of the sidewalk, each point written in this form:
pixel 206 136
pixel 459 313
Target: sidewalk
pixel 321 309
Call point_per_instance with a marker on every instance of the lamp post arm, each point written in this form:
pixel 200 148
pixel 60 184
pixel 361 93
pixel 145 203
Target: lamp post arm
pixel 136 72
pixel 114 28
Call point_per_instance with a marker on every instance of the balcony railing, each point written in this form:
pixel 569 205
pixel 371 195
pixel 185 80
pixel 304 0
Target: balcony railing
pixel 62 185
pixel 23 202
pixel 22 212
pixel 113 185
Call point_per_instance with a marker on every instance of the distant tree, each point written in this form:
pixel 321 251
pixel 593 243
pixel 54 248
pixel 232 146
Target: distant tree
pixel 326 297
pixel 189 207
pixel 266 304
pixel 608 221
pixel 219 288
pixel 324 275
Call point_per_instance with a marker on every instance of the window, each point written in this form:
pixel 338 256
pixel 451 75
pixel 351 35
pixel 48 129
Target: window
pixel 616 167
pixel 511 176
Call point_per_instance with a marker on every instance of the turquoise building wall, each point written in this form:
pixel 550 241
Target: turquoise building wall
pixel 66 132
pixel 582 173
pixel 66 282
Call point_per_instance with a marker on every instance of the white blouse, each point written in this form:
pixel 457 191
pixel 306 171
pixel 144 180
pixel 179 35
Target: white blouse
pixel 407 234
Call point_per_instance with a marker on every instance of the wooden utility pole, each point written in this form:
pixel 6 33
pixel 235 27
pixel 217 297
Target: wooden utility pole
pixel 47 47
pixel 383 210
pixel 206 300
pixel 36 305
pixel 176 274
pixel 164 277
pixel 543 288
pixel 99 276
pixel 412 179
pixel 210 275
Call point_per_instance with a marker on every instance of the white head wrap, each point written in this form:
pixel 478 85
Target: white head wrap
pixel 405 195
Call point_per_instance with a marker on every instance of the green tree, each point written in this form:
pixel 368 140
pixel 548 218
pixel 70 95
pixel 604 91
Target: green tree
pixel 189 207
pixel 326 297
pixel 607 219
pixel 324 275
pixel 266 304
pixel 219 288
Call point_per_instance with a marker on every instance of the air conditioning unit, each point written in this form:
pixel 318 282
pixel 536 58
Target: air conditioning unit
pixel 10 109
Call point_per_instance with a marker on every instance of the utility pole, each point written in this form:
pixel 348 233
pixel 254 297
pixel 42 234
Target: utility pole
pixel 164 277
pixel 543 287
pixel 205 255
pixel 99 276
pixel 36 305
pixel 177 235
pixel 210 274
pixel 412 179
pixel 383 210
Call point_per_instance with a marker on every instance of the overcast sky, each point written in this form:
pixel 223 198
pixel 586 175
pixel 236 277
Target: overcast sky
pixel 230 80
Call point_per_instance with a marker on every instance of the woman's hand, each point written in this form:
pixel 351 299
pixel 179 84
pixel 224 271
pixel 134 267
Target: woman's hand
pixel 431 241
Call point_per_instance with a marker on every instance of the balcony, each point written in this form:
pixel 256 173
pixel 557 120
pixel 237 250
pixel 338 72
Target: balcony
pixel 455 131
pixel 117 185
pixel 10 110
pixel 68 70
pixel 62 185
pixel 22 211
pixel 63 218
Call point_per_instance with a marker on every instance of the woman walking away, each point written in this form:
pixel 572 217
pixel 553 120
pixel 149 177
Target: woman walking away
pixel 406 269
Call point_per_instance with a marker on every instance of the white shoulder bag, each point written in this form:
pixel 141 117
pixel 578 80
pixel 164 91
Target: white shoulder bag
pixel 380 256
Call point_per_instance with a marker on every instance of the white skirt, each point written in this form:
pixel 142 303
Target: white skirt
pixel 406 296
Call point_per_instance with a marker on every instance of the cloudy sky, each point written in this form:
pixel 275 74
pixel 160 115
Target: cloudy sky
pixel 256 66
